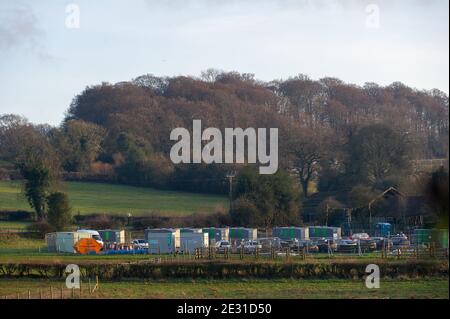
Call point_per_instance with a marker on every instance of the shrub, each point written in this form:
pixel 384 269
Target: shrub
pixel 59 212
pixel 41 227
pixel 103 222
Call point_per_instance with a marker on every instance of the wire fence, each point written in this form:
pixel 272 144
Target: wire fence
pixel 85 291
pixel 299 253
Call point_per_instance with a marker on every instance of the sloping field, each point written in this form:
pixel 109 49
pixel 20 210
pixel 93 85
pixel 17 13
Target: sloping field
pixel 88 198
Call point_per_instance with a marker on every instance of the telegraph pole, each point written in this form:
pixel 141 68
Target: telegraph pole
pixel 230 177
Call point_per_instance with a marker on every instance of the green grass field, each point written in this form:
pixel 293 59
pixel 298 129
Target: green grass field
pixel 87 198
pixel 241 289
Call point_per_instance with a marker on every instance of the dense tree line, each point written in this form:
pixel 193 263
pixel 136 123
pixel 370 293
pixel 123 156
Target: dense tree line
pixel 338 135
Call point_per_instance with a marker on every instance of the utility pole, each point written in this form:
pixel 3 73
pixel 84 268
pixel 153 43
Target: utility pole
pixel 349 220
pixel 230 177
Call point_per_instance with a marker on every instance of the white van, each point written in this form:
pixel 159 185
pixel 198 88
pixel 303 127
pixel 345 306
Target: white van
pixel 94 234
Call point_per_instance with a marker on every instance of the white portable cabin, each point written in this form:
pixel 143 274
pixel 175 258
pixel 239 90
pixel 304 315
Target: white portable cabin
pixel 192 240
pixel 162 240
pixel 63 242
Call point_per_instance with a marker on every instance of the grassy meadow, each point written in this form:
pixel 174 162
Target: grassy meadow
pixel 240 289
pixel 88 198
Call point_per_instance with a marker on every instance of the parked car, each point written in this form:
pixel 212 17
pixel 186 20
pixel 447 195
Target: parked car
pixel 367 245
pixel 222 246
pixel 326 244
pixel 140 244
pixel 292 243
pixel 271 242
pixel 250 246
pixel 310 246
pixel 400 240
pixel 380 242
pixel 347 246
pixel 363 236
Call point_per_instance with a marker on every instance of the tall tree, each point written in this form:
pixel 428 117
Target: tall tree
pixel 309 147
pixel 377 152
pixel 59 211
pixel 78 144
pixel 437 194
pixel 38 164
pixel 265 200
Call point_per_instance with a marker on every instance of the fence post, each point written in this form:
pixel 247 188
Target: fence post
pixel 51 292
pixel 29 294
pixel 62 293
pixel 40 293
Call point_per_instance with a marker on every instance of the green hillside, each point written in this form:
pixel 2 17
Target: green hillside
pixel 89 198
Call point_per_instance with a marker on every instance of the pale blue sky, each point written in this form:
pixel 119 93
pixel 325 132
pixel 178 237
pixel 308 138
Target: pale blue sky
pixel 43 64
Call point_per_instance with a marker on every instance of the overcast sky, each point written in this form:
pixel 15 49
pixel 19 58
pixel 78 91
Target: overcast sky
pixel 45 61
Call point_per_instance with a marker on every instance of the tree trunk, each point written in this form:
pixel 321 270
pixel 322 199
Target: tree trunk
pixel 305 184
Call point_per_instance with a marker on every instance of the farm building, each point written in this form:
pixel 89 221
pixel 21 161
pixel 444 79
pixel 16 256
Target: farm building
pixel 162 240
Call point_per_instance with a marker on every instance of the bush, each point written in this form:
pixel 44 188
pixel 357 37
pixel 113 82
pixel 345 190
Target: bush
pixel 245 212
pixel 41 227
pixel 59 212
pixel 103 222
pixel 19 215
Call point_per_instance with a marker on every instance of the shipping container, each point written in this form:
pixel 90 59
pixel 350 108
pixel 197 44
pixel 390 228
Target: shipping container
pixel 64 242
pixel 113 236
pixel 238 234
pixel 217 234
pixel 162 240
pixel 289 233
pixel 190 241
pixel 317 232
